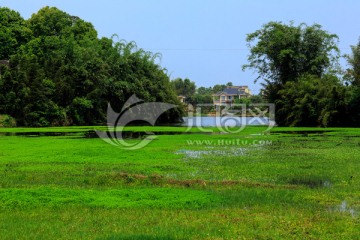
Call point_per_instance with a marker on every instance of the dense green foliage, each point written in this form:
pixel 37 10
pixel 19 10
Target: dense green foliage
pixel 286 52
pixel 7 121
pixel 289 183
pixel 13 32
pixel 353 75
pixel 354 62
pixel 184 87
pixel 312 100
pixel 60 73
pixel 300 69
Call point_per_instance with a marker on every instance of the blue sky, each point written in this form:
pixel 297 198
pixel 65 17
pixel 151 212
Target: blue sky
pixel 203 40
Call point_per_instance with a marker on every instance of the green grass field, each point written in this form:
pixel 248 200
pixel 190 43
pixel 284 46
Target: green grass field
pixel 290 183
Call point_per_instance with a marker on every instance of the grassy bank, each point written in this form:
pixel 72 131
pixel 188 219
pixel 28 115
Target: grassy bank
pixel 288 183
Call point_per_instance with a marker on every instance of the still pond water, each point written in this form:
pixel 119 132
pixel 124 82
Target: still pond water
pixel 225 121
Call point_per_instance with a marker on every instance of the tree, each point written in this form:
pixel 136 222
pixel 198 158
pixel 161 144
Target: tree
pixel 65 75
pixel 184 87
pixel 204 91
pixel 354 61
pixel 201 99
pixel 285 53
pixel 13 32
pixel 353 75
pixel 313 101
pixel 50 21
pixel 55 72
pixel 218 88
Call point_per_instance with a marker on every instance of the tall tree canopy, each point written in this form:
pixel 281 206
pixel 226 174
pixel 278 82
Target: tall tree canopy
pixel 353 74
pixel 184 87
pixel 354 62
pixel 283 54
pixel 218 88
pixel 13 32
pixel 63 74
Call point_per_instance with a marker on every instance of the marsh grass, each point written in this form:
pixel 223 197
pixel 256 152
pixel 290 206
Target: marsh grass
pixel 59 187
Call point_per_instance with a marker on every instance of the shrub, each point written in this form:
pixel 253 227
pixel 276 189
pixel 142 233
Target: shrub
pixel 7 121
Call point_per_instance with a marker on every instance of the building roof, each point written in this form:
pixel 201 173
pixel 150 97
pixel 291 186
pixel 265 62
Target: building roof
pixel 233 90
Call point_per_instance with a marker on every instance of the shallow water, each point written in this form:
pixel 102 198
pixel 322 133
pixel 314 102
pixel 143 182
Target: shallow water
pixel 345 208
pixel 196 154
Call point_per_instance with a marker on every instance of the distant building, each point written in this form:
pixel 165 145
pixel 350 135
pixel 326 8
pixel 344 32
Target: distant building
pixel 181 98
pixel 230 93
